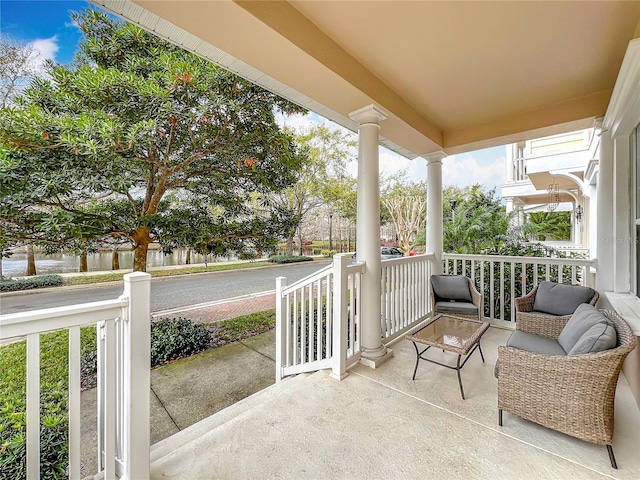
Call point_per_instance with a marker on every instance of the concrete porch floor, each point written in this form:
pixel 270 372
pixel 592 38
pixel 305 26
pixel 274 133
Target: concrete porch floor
pixel 381 424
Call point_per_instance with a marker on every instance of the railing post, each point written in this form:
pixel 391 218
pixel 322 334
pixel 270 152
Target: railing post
pixel 137 381
pixel 281 325
pixel 339 339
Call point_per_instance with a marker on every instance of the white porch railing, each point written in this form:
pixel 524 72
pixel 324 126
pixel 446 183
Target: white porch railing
pixel 501 279
pixel 406 294
pixel 307 334
pixel 123 329
pixel 318 320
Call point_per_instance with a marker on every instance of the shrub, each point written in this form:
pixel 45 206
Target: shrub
pixel 285 259
pixel 173 338
pixel 41 281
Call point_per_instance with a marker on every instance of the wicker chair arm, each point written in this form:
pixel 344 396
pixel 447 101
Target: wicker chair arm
pixel 525 303
pixel 544 325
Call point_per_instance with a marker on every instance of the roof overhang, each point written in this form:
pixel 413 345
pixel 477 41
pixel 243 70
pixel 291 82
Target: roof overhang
pixel 453 76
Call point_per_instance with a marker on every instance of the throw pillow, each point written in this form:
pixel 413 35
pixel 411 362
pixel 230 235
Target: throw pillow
pixel 582 320
pixel 560 298
pixel 451 287
pixel 598 338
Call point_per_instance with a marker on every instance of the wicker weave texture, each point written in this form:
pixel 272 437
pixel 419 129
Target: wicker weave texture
pixel 538 323
pixel 571 394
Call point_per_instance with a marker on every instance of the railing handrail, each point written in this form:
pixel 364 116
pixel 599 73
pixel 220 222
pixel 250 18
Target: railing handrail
pixel 522 259
pixel 308 279
pixel 58 318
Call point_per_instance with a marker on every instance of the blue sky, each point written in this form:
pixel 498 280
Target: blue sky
pixel 47 26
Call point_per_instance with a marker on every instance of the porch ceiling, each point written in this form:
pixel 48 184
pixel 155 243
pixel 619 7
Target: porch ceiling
pixel 454 76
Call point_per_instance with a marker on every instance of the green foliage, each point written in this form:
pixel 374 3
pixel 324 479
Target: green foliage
pixel 173 338
pixel 41 281
pixel 548 225
pixel 284 259
pixel 53 398
pixel 477 222
pixel 139 141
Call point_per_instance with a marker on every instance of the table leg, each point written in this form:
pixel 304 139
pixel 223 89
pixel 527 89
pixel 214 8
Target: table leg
pixel 417 361
pixel 480 348
pixel 459 379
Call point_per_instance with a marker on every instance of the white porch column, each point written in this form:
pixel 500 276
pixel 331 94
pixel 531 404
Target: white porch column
pixel 509 164
pixel 368 233
pixel 604 276
pixel 621 222
pixel 434 208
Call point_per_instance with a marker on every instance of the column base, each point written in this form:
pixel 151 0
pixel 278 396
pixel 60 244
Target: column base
pixel 371 360
pixel 339 377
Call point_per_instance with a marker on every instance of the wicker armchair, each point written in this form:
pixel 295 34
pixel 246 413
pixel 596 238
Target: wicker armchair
pixel 571 394
pixel 529 319
pixel 476 300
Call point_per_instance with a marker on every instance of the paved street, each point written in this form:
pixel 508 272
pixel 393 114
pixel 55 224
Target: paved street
pixel 167 292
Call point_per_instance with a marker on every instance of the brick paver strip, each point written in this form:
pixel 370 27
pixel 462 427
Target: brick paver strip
pixel 224 311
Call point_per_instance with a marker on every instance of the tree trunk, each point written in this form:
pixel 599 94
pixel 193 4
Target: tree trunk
pixel 188 260
pixel 141 239
pixel 31 261
pixel 115 259
pixel 84 267
pixel 289 246
pixel 300 239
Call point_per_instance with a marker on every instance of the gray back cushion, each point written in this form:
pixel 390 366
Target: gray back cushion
pixel 580 322
pixel 451 287
pixel 599 337
pixel 561 299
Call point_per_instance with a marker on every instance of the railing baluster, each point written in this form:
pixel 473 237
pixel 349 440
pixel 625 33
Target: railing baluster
pixel 74 403
pixel 512 302
pixel 319 317
pixel 110 402
pixel 492 289
pixel 33 406
pixel 501 290
pixel 297 338
pixel 312 321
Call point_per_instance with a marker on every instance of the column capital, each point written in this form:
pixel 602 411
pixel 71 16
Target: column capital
pixel 369 114
pixel 435 157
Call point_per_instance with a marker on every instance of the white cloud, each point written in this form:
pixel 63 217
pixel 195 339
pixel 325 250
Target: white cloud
pixel 44 49
pixel 465 170
pixel 461 170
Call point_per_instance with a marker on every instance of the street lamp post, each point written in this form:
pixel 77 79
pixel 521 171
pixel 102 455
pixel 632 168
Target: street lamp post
pixel 330 232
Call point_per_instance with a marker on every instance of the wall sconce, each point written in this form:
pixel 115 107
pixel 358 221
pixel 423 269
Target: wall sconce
pixel 579 212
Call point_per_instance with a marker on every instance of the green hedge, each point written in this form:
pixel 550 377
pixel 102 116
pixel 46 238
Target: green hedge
pixel 40 281
pixel 284 259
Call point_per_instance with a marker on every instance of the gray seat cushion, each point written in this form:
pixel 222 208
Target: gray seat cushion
pixel 561 299
pixel 585 317
pixel 451 287
pixel 464 308
pixel 600 337
pixel 534 343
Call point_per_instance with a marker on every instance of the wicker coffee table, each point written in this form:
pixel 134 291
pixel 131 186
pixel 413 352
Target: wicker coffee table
pixel 450 333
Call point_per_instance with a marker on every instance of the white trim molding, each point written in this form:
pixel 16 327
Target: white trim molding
pixel 622 114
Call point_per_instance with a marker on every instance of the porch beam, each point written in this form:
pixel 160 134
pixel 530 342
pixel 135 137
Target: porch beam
pixel 434 208
pixel 368 232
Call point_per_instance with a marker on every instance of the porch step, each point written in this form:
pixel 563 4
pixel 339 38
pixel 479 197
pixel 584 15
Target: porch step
pixel 197 430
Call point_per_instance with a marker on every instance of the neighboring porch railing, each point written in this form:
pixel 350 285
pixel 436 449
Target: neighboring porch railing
pixel 123 339
pixel 501 279
pixel 318 320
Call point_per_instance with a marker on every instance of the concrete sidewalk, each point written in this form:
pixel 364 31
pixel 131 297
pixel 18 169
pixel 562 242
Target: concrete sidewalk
pixel 186 391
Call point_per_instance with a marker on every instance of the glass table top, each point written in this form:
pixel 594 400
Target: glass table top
pixel 447 330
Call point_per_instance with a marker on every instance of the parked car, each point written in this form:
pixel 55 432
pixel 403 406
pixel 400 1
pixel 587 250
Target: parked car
pixel 390 252
pixel 417 250
pixel 386 253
